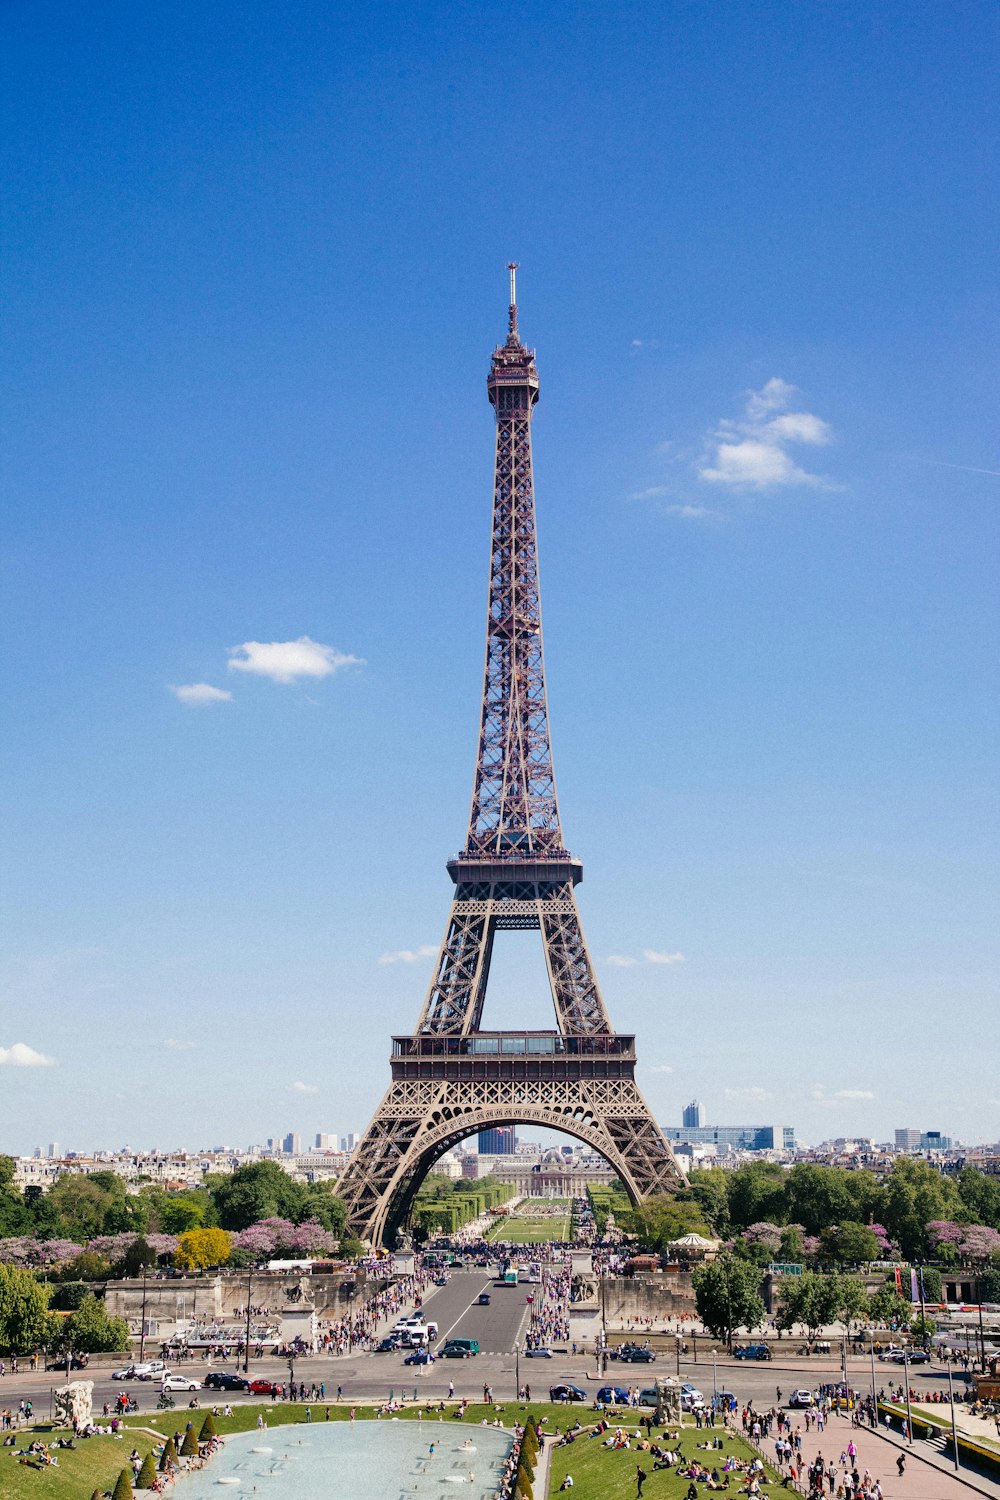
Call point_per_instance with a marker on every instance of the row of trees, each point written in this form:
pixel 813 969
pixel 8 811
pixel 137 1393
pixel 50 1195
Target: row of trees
pixel 443 1206
pixel 728 1298
pixel 80 1208
pixel 27 1324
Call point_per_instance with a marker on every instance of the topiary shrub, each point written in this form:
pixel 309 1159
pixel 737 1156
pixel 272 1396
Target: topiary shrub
pixel 123 1487
pixel 168 1457
pixel 208 1428
pixel 189 1447
pixel 147 1474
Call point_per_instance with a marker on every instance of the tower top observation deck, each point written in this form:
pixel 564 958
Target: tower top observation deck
pixel 512 365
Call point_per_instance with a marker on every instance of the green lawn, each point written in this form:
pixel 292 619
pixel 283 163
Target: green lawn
pixel 98 1461
pixel 526 1229
pixel 601 1474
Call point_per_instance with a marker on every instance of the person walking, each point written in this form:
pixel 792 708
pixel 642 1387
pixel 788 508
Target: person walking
pixel 640 1479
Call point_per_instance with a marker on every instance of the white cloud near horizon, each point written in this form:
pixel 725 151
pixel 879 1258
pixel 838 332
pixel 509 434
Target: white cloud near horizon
pixel 657 1068
pixel 834 1096
pixel 649 956
pixel 305 1088
pixel 752 452
pixel 408 955
pixel 200 694
pixel 178 1044
pixel 753 1095
pixel 20 1055
pixel 287 661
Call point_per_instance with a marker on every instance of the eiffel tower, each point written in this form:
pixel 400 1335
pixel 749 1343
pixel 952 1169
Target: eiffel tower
pixel 451 1079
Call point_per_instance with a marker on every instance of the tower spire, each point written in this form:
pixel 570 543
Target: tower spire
pixel 512 334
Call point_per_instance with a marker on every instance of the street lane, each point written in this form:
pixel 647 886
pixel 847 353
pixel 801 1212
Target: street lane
pixel 497 1327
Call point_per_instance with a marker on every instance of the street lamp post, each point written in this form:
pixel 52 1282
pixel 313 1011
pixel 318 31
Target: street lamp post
pixel 954 1428
pixel 906 1381
pixel 871 1347
pixel 715 1382
pixel 246 1346
pixel 142 1319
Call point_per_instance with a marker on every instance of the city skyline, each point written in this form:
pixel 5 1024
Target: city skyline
pixel 247 512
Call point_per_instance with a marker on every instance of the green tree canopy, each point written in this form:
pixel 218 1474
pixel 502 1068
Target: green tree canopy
pixel 756 1194
pixel 812 1299
pixel 851 1244
pixel 709 1189
pixel 913 1195
pixel 260 1190
pixel 24 1316
pixel 89 1330
pixel 727 1296
pixel 123 1486
pixel 817 1197
pixel 662 1218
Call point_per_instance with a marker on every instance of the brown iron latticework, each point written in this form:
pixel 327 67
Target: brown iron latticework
pixel 451 1079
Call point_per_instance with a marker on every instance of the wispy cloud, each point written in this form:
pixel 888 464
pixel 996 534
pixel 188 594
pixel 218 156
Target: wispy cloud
pixel 690 512
pixel 407 955
pixel 940 463
pixel 305 1088
pixel 751 452
pixel 658 1068
pixel 178 1044
pixel 200 694
pixel 648 956
pixel 822 1095
pixel 287 661
pixel 752 1095
pixel 20 1055
pixel 651 492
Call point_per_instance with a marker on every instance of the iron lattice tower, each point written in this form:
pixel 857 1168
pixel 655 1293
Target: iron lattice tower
pixel 450 1079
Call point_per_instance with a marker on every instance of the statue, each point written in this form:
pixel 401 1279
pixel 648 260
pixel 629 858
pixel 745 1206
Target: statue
pixel 74 1404
pixel 583 1289
pixel 668 1401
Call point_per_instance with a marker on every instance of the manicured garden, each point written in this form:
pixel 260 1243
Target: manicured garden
pixel 528 1228
pixel 601 1473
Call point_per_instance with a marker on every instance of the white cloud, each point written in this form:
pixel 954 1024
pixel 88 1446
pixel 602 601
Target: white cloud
pixel 305 1088
pixel 752 1095
pixel 853 1094
pixel 200 694
pixel 178 1044
pixel 658 1068
pixel 690 512
pixel 649 956
pixel 20 1055
pixel 287 661
pixel 408 955
pixel 652 492
pixel 751 453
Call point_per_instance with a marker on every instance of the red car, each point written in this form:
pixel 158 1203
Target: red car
pixel 263 1388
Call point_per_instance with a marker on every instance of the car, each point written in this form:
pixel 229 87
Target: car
pixel 454 1349
pixel 648 1397
pixel 76 1362
pixel 388 1345
pixel 752 1351
pixel 692 1401
pixel 150 1369
pixel 127 1372
pixel 419 1357
pixel 263 1388
pixel 441 1280
pixel 906 1356
pixel 800 1400
pixel 631 1355
pixel 611 1395
pixel 538 1353
pixel 174 1382
pixel 484 1299
pixel 225 1380
pixel 566 1392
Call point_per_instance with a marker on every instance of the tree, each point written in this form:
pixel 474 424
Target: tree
pixel 887 1305
pixel 89 1330
pixel 168 1458
pixel 24 1316
pixel 14 1215
pixel 661 1219
pixel 811 1299
pixel 792 1247
pixel 260 1190
pixel 980 1196
pixel 708 1190
pixel 727 1296
pixel 756 1192
pixel 201 1248
pixel 123 1486
pixel 817 1197
pixel 850 1243
pixel 208 1429
pixel 852 1299
pixel 189 1447
pixel 147 1474
pixel 138 1255
pixel 914 1194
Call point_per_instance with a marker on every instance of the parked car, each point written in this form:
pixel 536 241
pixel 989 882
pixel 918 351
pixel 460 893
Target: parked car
pixel 752 1351
pixel 632 1354
pixel 263 1388
pixel 538 1353
pixel 460 1348
pixel 76 1362
pixel 648 1396
pixel 800 1400
pixel 173 1382
pixel 225 1380
pixel 611 1395
pixel 484 1299
pixel 419 1357
pixel 566 1392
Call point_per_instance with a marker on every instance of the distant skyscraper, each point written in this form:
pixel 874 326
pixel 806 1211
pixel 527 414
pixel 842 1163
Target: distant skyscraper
pixel 292 1143
pixel 907 1140
pixel 326 1142
pixel 349 1141
pixel 694 1115
pixel 54 1148
pixel 497 1142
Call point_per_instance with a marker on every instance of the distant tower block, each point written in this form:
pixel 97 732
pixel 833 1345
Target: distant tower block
pixel 694 1116
pixel 450 1079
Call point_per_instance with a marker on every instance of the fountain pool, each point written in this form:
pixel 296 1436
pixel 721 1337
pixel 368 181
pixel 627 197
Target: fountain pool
pixel 386 1460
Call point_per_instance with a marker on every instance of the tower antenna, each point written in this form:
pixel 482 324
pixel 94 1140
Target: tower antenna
pixel 512 266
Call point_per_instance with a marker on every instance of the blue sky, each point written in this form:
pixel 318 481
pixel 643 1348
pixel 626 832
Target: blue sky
pixel 253 259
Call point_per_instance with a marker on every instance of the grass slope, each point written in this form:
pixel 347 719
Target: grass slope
pixel 601 1474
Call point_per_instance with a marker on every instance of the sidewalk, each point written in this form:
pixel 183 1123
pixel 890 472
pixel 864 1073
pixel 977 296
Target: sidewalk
pixel 929 1475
